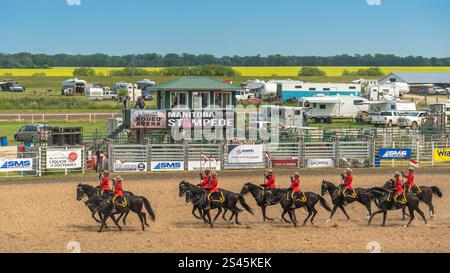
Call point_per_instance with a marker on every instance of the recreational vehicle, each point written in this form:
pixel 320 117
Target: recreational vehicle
pixel 323 108
pixel 390 105
pixel 288 116
pixel 385 91
pixel 73 87
pixel 260 89
pixel 288 89
pixel 133 91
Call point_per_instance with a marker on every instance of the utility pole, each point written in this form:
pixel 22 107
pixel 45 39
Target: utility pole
pixel 132 81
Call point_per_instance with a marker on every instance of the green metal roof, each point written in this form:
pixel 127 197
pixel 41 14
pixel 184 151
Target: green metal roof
pixel 196 83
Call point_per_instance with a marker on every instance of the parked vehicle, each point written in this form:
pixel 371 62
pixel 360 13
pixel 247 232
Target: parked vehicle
pixel 437 90
pixel 73 87
pixel 412 119
pixel 321 107
pixel 32 132
pixel 386 118
pixel 133 91
pixel 11 86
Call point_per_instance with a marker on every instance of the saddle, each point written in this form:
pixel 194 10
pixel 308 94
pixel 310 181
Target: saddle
pixel 120 201
pixel 402 201
pixel 298 196
pixel 414 189
pixel 343 191
pixel 217 197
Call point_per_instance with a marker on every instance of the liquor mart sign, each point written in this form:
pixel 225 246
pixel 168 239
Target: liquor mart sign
pixel 61 158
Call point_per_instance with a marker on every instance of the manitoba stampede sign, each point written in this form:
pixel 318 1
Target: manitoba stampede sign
pixel 200 118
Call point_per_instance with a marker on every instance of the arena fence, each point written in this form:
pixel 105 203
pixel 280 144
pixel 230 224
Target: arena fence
pixel 38 161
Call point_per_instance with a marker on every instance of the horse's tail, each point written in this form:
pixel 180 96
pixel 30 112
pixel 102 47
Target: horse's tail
pixel 148 207
pixel 437 191
pixel 244 204
pixel 324 203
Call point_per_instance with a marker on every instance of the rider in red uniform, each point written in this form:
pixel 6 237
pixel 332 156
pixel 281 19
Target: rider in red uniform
pixel 295 187
pixel 211 187
pixel 269 185
pixel 205 179
pixel 398 187
pixel 118 191
pixel 348 180
pixel 104 184
pixel 410 185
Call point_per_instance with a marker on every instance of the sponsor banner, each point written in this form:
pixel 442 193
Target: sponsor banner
pixel 201 165
pixel 167 166
pixel 64 159
pixel 200 118
pixel 284 163
pixel 247 154
pixel 441 154
pixel 320 163
pixel 395 153
pixel 130 167
pixel 16 164
pixel 148 119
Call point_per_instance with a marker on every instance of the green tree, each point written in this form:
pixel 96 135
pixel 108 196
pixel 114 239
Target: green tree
pixel 123 93
pixel 308 71
pixel 83 72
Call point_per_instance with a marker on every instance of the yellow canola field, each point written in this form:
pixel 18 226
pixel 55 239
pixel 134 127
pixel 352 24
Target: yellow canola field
pixel 269 71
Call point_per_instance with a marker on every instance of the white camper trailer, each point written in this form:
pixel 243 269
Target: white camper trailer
pixel 390 105
pixel 288 116
pixel 385 91
pixel 322 108
pixel 133 91
pixel 73 87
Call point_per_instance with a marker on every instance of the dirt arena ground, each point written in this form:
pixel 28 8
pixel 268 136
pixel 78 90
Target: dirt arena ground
pixel 43 216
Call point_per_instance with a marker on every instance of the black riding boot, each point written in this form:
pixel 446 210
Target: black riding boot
pixel 293 206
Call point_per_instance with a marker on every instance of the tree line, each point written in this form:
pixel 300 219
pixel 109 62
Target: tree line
pixel 29 60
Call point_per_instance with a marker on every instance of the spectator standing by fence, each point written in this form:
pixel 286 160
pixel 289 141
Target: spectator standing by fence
pixel 140 103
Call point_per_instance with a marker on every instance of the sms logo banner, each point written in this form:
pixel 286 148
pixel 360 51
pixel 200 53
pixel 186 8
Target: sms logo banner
pixel 16 164
pixel 441 154
pixel 395 153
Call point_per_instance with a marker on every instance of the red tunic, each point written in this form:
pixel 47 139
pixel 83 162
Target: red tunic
pixel 348 182
pixel 410 180
pixel 399 187
pixel 204 182
pixel 295 185
pixel 118 189
pixel 212 185
pixel 104 184
pixel 270 182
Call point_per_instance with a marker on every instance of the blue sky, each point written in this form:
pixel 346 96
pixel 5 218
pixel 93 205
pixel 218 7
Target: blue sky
pixel 231 27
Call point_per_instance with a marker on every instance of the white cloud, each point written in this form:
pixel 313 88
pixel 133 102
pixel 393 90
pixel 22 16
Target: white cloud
pixel 77 2
pixel 374 2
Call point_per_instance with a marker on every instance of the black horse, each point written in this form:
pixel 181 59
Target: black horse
pixel 306 200
pixel 133 203
pixel 183 187
pixel 426 196
pixel 90 191
pixel 385 201
pixel 228 201
pixel 258 194
pixel 362 196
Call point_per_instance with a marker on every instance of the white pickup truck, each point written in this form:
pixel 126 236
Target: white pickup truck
pixel 412 119
pixel 386 118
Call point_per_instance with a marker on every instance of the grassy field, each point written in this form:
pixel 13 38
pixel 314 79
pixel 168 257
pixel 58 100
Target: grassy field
pixel 9 128
pixel 283 71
